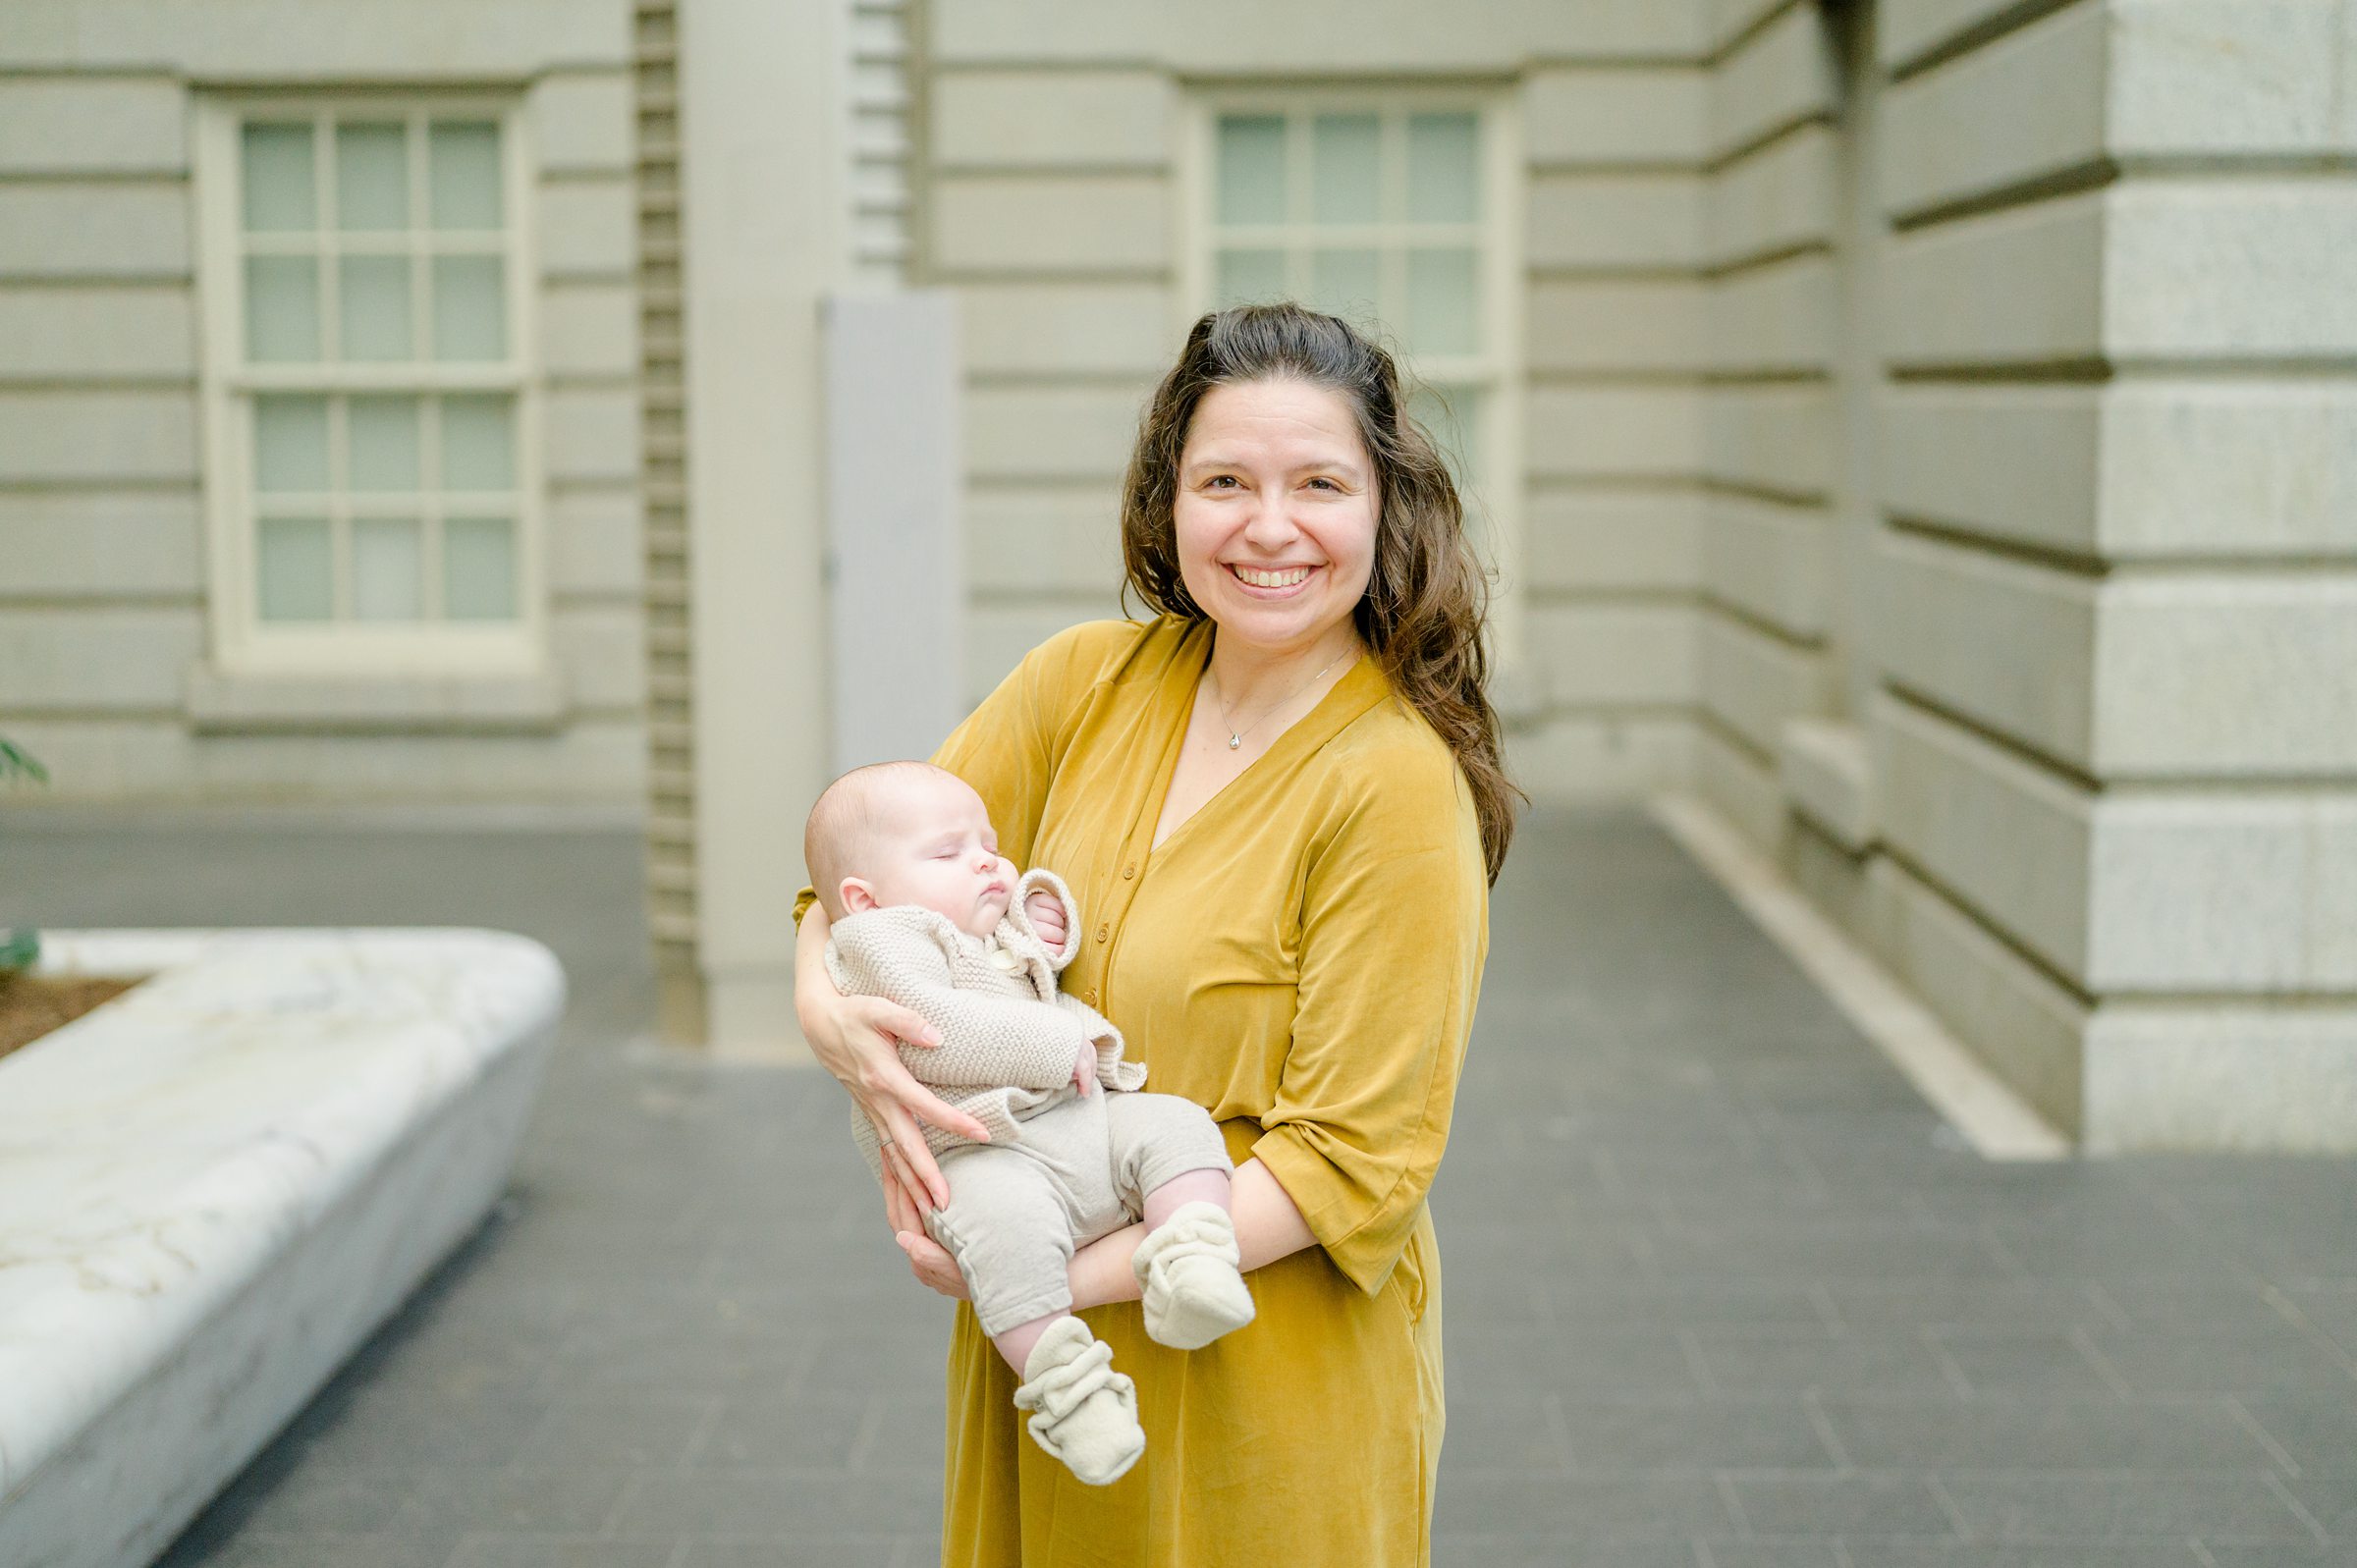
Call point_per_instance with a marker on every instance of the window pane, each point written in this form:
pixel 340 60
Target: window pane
pixel 1342 283
pixel 1444 168
pixel 295 570
pixel 375 309
pixel 471 316
pixel 478 445
pixel 479 569
pixel 282 309
pixel 383 433
pixel 1451 415
pixel 290 443
pixel 1347 160
pixel 464 159
pixel 1441 296
pixel 388 570
pixel 372 177
pixel 279 193
pixel 1252 168
pixel 1250 277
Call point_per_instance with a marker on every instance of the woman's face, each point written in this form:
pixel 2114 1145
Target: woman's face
pixel 1276 511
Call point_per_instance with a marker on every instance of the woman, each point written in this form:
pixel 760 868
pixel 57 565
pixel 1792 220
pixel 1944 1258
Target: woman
pixel 1278 805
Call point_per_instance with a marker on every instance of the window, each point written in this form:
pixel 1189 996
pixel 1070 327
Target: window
pixel 371 467
pixel 1396 212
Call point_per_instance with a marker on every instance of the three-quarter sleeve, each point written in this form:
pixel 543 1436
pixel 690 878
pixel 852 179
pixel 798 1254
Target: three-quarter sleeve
pixel 1394 928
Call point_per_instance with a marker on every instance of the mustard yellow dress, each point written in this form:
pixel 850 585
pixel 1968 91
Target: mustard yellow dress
pixel 1301 958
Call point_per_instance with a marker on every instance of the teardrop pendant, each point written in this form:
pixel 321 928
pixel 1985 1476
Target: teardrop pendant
pixel 1236 742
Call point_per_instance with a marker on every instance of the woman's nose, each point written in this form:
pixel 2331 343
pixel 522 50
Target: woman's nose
pixel 1269 527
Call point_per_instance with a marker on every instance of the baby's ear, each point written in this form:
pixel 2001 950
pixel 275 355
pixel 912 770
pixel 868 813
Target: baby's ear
pixel 857 896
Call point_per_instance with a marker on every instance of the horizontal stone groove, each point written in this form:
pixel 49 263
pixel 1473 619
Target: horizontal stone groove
pixel 1613 712
pixel 1787 376
pixel 1725 267
pixel 1759 492
pixel 97 381
pixel 1957 535
pixel 67 713
pixel 1761 141
pixel 1984 32
pixel 953 276
pixel 2011 746
pixel 1614 166
pixel 1807 642
pixel 159 175
pixel 1021 65
pixel 88 280
pixel 1740 39
pixel 1971 913
pixel 2077 180
pixel 951 172
pixel 175 486
pixel 2073 371
pixel 107 600
pixel 1711 720
pixel 1573 272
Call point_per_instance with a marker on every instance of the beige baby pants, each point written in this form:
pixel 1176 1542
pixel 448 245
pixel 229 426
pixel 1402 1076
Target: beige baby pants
pixel 1081 1170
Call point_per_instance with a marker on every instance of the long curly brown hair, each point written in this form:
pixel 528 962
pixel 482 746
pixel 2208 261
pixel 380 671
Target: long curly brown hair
pixel 1427 597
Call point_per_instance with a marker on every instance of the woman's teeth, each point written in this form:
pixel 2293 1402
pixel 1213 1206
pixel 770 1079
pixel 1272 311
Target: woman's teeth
pixel 1271 579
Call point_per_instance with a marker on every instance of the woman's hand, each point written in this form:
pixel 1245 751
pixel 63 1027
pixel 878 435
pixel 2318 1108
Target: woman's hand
pixel 934 1268
pixel 858 1039
pixel 1047 916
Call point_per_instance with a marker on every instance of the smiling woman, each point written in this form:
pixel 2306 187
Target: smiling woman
pixel 1278 804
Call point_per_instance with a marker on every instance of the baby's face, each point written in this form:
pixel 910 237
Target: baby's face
pixel 938 850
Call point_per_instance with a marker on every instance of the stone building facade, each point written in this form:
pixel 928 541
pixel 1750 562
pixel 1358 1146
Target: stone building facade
pixel 1924 429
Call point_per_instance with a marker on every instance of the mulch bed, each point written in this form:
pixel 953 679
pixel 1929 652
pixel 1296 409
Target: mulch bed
pixel 31 1006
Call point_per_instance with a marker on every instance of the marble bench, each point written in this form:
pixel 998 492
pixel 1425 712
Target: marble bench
pixel 215 1187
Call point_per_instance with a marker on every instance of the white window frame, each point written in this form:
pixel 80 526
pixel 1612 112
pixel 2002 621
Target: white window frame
pixel 1494 500
pixel 241 641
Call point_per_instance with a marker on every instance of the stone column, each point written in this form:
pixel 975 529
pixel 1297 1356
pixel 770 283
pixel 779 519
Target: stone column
pixel 2116 759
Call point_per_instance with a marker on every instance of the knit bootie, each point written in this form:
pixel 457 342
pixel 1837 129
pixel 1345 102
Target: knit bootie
pixel 1087 1413
pixel 1187 1269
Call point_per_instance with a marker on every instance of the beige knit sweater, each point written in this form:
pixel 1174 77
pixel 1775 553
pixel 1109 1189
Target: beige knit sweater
pixel 1008 1038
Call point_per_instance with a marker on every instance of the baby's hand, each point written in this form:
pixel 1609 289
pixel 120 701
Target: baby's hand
pixel 1047 916
pixel 1084 1072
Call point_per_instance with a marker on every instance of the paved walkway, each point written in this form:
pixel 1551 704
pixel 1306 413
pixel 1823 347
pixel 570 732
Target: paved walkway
pixel 1721 1291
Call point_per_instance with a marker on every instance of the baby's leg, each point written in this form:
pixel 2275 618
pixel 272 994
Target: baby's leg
pixel 1009 1232
pixel 1169 1159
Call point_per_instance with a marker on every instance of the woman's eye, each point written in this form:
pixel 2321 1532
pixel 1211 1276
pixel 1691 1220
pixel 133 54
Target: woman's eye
pixel 1328 483
pixel 1222 479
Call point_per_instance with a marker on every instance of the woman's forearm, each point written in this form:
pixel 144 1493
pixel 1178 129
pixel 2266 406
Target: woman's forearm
pixel 810 978
pixel 1268 1226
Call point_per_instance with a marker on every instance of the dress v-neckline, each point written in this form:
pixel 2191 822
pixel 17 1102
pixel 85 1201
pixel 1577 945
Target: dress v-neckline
pixel 1179 686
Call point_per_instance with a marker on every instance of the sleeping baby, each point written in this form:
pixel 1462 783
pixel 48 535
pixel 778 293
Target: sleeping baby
pixel 925 913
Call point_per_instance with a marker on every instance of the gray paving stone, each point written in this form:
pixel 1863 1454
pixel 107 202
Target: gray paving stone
pixel 2096 1504
pixel 477 1549
pixel 1811 1502
pixel 2101 1434
pixel 1707 1433
pixel 1703 1251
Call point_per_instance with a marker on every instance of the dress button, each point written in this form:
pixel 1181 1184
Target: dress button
pixel 1089 995
pixel 1128 871
pixel 1103 932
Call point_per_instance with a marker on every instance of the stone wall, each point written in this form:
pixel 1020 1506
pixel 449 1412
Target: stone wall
pixel 2095 803
pixel 1052 204
pixel 103 565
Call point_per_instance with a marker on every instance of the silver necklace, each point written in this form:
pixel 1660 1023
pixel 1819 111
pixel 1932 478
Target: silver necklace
pixel 1236 736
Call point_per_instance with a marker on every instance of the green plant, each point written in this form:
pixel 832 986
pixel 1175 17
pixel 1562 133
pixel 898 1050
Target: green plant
pixel 19 949
pixel 16 761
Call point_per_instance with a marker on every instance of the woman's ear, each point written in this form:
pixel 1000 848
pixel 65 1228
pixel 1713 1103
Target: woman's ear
pixel 857 896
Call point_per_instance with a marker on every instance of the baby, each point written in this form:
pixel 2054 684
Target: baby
pixel 924 912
